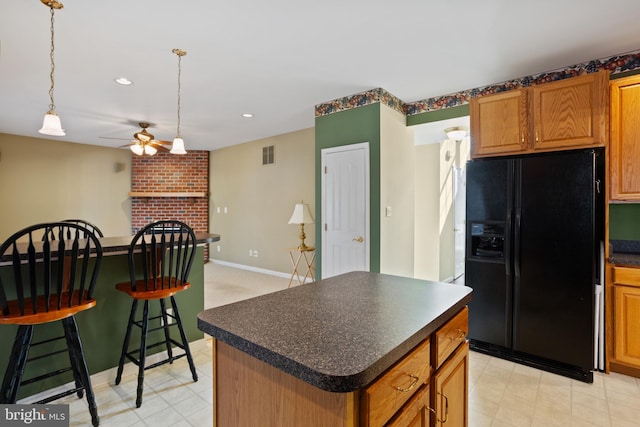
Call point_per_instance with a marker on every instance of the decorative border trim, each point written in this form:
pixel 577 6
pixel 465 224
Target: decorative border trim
pixel 614 64
pixel 361 99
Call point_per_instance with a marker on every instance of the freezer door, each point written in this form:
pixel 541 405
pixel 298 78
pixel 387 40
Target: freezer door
pixel 554 253
pixel 488 249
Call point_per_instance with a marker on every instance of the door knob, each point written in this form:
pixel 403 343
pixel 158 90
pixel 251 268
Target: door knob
pixel 359 239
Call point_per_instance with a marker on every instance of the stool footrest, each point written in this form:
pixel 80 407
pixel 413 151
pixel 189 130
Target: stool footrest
pixel 59 395
pixel 45 376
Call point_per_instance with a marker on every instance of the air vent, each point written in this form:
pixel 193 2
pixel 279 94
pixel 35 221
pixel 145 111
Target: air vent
pixel 268 155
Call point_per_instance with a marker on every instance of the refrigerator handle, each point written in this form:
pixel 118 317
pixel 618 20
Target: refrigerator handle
pixel 507 244
pixel 516 270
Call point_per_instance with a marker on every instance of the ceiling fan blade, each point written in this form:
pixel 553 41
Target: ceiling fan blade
pixel 112 137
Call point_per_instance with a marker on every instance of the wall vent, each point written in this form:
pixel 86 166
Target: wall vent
pixel 268 155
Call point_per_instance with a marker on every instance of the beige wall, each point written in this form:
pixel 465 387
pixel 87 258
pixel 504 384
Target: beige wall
pixel 259 200
pixel 434 248
pixel 49 180
pixel 397 192
pixel 427 212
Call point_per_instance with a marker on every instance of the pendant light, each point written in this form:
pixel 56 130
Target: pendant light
pixel 178 142
pixel 51 124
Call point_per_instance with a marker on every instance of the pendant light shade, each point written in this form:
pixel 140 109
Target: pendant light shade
pixel 51 124
pixel 178 146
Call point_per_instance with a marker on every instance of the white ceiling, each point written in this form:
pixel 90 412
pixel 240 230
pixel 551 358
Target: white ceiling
pixel 276 59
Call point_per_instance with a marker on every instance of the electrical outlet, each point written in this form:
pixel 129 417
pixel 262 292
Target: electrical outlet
pixel 219 248
pixel 255 253
pixel 250 252
pixel 169 319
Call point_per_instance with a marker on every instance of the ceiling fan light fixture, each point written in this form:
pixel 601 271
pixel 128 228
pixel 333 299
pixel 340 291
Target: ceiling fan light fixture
pixel 137 149
pixel 178 146
pixel 51 125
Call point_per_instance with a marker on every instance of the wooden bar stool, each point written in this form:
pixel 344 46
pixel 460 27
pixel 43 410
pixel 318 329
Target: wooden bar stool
pixel 160 259
pixel 49 280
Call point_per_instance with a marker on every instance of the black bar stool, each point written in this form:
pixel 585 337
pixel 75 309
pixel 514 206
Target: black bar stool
pixel 52 275
pixel 160 259
pixel 86 224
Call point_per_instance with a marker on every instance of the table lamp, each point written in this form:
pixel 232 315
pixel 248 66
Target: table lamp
pixel 301 215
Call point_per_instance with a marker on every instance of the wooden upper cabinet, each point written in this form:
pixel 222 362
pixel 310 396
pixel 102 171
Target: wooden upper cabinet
pixel 499 124
pixel 566 114
pixel 624 149
pixel 570 113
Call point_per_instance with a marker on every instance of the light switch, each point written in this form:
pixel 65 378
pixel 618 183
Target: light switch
pixel 387 211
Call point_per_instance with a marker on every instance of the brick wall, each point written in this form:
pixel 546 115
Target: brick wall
pixel 169 173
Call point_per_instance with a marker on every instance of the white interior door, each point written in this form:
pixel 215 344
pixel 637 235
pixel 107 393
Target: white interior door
pixel 345 209
pixel 459 202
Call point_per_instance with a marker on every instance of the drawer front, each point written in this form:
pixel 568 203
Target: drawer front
pixel 450 336
pixel 626 276
pixel 387 394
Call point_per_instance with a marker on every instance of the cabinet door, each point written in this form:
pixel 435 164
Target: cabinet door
pixel 570 113
pixel 624 142
pixel 415 413
pixel 450 390
pixel 627 324
pixel 499 124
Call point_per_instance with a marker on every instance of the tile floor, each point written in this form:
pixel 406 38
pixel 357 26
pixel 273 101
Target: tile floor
pixel 502 393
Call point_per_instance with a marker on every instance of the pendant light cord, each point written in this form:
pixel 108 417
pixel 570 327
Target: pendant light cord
pixel 179 73
pixel 52 106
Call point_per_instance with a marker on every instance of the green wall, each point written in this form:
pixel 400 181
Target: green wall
pixel 353 126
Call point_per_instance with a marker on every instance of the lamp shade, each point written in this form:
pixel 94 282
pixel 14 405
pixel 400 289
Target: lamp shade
pixel 150 150
pixel 301 214
pixel 178 146
pixel 51 125
pixel 137 149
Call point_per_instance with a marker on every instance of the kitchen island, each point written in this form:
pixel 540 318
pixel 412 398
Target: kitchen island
pixel 356 349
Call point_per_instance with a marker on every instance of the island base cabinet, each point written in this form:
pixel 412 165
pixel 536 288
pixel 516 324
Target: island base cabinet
pixel 249 392
pixel 449 395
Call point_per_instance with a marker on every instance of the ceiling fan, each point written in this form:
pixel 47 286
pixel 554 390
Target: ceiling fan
pixel 145 143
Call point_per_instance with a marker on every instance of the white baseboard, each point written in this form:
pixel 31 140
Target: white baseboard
pixel 250 268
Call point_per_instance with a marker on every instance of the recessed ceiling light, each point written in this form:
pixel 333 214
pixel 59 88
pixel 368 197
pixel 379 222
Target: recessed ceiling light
pixel 247 115
pixel 123 81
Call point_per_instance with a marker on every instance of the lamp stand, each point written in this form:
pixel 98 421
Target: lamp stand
pixel 302 246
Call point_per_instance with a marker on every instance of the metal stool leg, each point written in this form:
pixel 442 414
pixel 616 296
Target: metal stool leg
pixel 127 337
pixel 185 342
pixel 17 362
pixel 79 364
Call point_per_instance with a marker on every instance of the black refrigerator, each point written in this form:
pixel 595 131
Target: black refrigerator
pixel 534 227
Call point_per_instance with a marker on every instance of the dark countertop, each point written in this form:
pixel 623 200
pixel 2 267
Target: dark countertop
pixel 119 245
pixel 337 334
pixel 624 252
